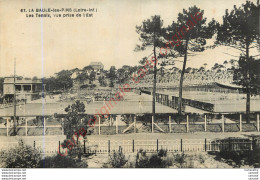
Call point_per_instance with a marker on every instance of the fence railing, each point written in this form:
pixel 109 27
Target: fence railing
pixel 177 145
pixel 150 146
pixel 46 148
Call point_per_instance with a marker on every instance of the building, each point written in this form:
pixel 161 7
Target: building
pixel 75 73
pixel 88 70
pixel 26 89
pixel 98 68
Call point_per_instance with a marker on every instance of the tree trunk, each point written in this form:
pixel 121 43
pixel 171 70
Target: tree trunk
pixel 14 104
pixel 247 107
pixel 154 81
pixel 181 79
pixel 247 88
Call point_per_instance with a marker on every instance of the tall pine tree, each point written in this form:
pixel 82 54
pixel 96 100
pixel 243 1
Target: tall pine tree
pixel 189 35
pixel 240 30
pixel 151 35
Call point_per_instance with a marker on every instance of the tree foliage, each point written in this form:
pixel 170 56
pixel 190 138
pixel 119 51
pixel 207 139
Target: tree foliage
pixel 247 75
pixel 74 121
pixel 92 76
pixel 82 77
pixel 112 76
pixel 64 79
pixel 75 127
pixel 240 28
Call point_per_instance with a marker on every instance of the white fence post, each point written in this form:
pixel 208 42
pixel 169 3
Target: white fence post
pixel 116 125
pixel 170 125
pixel 257 121
pixel 62 129
pixel 223 123
pixel 7 126
pixel 240 120
pixel 187 123
pixel 152 123
pixel 98 125
pixel 205 123
pixel 26 127
pixel 135 124
pixel 44 126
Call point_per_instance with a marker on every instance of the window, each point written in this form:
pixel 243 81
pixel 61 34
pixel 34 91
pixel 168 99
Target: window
pixel 27 87
pixel 18 87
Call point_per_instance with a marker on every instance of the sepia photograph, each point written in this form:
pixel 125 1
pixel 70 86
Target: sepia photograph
pixel 129 84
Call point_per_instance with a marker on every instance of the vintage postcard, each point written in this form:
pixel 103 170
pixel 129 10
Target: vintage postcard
pixel 129 84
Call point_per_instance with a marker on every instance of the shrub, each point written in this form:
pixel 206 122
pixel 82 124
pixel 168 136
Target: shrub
pixel 142 160
pixel 201 159
pixel 74 150
pixel 179 159
pixel 117 159
pixel 58 161
pixel 22 156
pixel 240 158
pixel 243 156
pixel 158 160
pixel 162 153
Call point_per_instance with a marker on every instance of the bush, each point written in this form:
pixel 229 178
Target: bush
pixel 158 160
pixel 62 162
pixel 117 159
pixel 179 160
pixel 239 158
pixel 74 150
pixel 142 160
pixel 22 156
pixel 162 153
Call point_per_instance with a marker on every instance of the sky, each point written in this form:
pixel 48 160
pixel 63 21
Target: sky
pixel 44 46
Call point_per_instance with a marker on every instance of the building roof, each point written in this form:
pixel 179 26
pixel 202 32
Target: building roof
pixel 229 86
pixel 20 80
pixel 96 64
pixel 76 70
